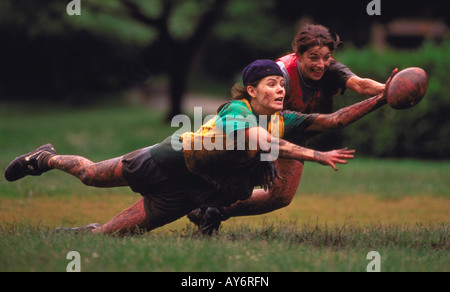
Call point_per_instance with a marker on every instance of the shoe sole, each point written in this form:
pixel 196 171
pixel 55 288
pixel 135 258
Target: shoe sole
pixel 17 165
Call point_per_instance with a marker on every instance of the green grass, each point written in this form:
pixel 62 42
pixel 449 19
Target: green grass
pixel 270 248
pixel 100 133
pixel 96 133
pixel 396 207
pixel 386 178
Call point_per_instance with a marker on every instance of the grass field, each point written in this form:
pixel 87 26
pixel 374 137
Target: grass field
pixel 399 208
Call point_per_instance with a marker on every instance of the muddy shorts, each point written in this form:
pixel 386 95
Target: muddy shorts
pixel 165 201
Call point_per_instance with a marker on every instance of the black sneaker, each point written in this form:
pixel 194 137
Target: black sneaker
pixel 207 219
pixel 28 164
pixel 78 230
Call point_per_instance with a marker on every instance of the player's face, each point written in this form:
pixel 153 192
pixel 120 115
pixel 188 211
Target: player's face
pixel 315 62
pixel 268 95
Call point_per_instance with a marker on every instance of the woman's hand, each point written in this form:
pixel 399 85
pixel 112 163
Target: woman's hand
pixel 388 83
pixel 335 156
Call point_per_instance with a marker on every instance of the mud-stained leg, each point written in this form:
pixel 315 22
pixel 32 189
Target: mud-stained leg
pixel 105 174
pixel 262 202
pixel 131 221
pixel 208 219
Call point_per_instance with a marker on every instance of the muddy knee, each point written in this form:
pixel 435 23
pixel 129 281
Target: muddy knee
pixel 282 198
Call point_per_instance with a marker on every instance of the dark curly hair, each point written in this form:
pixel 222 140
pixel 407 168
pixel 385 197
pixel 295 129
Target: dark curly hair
pixel 312 35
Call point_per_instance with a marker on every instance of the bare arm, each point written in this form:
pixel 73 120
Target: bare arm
pixel 352 113
pixel 347 115
pixel 284 149
pixel 365 86
pixel 331 158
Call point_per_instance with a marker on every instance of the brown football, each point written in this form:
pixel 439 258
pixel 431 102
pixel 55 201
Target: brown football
pixel 407 88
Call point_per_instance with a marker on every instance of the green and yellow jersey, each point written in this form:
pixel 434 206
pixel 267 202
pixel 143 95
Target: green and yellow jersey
pixel 218 153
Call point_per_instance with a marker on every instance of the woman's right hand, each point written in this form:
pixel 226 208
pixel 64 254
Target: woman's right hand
pixel 333 157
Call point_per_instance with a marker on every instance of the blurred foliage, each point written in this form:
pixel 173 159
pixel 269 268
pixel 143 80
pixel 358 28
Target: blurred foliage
pixel 249 30
pixel 110 46
pixel 47 54
pixel 260 28
pixel 117 44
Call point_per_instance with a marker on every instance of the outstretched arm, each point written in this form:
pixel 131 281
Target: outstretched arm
pixel 350 114
pixel 365 86
pixel 331 158
pixel 284 149
pixel 347 115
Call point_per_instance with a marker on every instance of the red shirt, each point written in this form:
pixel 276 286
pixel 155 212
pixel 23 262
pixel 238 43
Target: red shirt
pixel 312 96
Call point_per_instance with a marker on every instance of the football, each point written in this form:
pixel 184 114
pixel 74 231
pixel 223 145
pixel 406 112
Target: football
pixel 407 88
